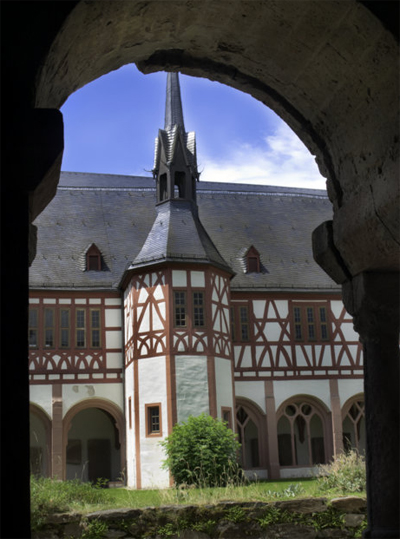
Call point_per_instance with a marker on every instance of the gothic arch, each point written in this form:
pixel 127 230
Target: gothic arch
pixel 302 409
pixel 353 421
pixel 44 418
pixel 256 419
pixel 107 406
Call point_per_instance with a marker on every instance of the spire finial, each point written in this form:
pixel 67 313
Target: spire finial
pixel 173 103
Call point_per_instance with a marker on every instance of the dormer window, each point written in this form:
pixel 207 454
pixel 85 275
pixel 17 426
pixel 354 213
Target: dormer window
pixel 253 261
pixel 93 258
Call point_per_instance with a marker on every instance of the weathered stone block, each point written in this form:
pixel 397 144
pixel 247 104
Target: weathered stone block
pixel 353 520
pixel 307 505
pixel 350 504
pixel 289 531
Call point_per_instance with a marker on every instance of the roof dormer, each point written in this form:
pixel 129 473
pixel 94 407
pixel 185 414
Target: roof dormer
pixel 93 258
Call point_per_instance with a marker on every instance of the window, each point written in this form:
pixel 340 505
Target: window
pixel 153 419
pixel 226 414
pixel 310 323
pixel 179 185
pixel 95 328
pixel 49 328
pixel 130 411
pixel 163 187
pixel 93 258
pixel 65 328
pixel 33 335
pixel 253 264
pixel 240 323
pixel 179 309
pixel 301 435
pixel 198 309
pixel 80 328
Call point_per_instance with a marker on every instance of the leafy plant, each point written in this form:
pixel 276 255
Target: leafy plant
pixel 292 491
pixel 207 526
pixel 203 452
pixel 94 529
pixel 345 473
pixel 235 514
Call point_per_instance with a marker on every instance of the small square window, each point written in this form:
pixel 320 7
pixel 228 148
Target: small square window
pixel 153 419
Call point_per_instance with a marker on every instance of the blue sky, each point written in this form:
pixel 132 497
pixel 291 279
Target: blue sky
pixel 111 125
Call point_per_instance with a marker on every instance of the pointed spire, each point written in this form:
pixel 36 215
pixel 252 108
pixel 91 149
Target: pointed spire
pixel 173 103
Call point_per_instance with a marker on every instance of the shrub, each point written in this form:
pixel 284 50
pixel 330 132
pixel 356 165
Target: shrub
pixel 345 473
pixel 202 452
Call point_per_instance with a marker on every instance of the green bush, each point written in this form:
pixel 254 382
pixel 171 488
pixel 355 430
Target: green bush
pixel 202 452
pixel 345 473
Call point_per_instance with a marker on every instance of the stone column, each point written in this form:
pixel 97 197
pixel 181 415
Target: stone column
pixel 373 300
pixel 57 449
pixel 272 431
pixel 337 427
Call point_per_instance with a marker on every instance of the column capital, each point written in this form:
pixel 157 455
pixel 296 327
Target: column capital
pixel 373 299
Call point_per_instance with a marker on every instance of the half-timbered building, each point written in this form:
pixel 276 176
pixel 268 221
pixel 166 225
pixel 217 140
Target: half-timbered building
pixel 156 298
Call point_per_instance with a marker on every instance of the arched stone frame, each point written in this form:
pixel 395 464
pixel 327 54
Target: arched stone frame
pixel 359 397
pixel 319 408
pixel 258 417
pixel 38 411
pixel 105 405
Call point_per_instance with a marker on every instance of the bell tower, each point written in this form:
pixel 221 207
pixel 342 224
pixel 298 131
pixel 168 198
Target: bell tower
pixel 175 162
pixel 178 349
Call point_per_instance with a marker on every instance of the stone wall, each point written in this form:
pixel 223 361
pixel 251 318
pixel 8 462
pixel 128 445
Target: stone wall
pixel 310 518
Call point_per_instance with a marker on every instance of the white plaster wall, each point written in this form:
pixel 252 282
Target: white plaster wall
pixel 113 318
pixel 349 388
pixel 197 278
pixel 42 396
pixel 130 433
pixel 74 393
pixel 179 278
pixel 315 388
pixel 223 382
pixel 288 473
pixel 114 360
pixel 254 391
pixel 191 386
pixel 153 389
pixel 113 339
pixel 254 475
pixel 114 301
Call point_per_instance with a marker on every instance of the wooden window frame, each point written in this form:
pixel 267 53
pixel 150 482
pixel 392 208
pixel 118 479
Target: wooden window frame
pixel 253 264
pixel 180 306
pixel 93 254
pixel 304 324
pixel 65 328
pixel 149 431
pixel 130 412
pixel 237 324
pixel 92 329
pixel 81 328
pixel 34 328
pixel 227 410
pixel 202 308
pixel 51 328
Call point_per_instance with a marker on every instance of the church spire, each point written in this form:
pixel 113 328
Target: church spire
pixel 173 103
pixel 175 162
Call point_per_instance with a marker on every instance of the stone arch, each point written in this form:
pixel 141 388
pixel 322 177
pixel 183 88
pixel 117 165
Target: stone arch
pixel 306 413
pixel 46 422
pixel 353 421
pixel 102 404
pixel 305 71
pixel 255 420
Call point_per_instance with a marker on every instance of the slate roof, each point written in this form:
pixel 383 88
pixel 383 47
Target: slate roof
pixel 118 212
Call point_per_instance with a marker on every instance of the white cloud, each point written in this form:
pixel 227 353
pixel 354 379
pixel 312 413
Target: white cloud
pixel 284 161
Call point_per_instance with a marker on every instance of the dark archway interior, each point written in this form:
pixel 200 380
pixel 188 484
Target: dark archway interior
pixel 329 69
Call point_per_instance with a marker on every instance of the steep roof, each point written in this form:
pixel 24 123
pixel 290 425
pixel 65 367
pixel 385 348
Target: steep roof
pixel 117 213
